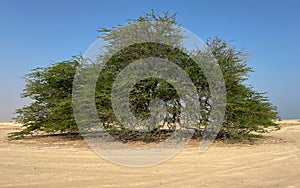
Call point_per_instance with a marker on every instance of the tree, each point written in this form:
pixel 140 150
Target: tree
pixel 50 88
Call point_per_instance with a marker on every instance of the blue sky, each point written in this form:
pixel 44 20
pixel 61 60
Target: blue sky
pixel 36 33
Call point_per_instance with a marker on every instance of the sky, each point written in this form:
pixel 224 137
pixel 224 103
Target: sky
pixel 38 33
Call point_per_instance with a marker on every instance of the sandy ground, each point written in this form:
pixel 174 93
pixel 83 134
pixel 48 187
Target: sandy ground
pixel 59 162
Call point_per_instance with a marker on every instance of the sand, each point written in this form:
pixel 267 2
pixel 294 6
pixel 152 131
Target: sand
pixel 59 162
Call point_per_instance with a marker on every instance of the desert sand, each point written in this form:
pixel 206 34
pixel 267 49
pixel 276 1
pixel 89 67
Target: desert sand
pixel 273 161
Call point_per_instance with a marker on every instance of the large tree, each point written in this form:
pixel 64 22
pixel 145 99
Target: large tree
pixel 50 88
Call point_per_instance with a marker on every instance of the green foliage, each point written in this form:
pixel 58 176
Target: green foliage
pixel 146 90
pixel 247 111
pixel 50 89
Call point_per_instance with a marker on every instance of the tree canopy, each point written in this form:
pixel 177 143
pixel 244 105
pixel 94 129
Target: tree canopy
pixel 50 89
